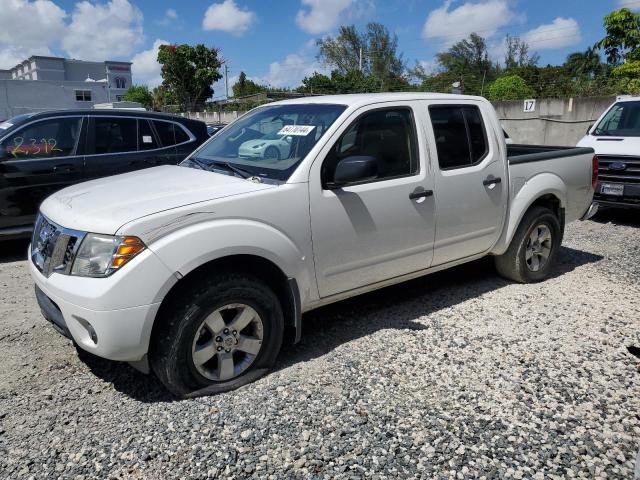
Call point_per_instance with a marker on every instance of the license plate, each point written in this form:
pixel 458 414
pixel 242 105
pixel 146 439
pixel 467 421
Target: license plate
pixel 611 189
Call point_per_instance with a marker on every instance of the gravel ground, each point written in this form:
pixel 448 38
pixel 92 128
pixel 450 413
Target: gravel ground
pixel 457 375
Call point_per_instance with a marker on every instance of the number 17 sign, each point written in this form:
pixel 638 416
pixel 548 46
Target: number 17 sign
pixel 530 105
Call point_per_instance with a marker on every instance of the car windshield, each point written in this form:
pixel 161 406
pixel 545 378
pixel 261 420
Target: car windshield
pixel 6 124
pixel 269 142
pixel 623 119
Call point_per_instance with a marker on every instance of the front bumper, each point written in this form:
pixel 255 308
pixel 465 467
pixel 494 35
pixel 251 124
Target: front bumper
pixel 591 211
pixel 109 317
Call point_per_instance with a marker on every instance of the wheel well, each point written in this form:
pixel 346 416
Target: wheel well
pixel 259 267
pixel 551 202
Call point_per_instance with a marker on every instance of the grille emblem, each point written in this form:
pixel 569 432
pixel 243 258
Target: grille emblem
pixel 617 166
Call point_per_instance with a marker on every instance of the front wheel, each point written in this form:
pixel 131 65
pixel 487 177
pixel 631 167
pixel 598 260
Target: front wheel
pixel 224 334
pixel 534 247
pixel 272 153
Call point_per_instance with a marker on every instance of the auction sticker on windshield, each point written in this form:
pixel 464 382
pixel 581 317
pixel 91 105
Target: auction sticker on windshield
pixel 298 130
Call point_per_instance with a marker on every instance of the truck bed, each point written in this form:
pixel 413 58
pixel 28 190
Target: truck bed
pixel 534 153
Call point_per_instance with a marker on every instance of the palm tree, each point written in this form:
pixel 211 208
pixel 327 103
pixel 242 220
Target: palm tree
pixel 584 64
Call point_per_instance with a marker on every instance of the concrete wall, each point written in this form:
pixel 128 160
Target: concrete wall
pixel 554 121
pixel 213 117
pixel 25 96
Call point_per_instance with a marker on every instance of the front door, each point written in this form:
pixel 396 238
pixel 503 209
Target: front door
pixel 36 161
pixel 470 185
pixel 379 228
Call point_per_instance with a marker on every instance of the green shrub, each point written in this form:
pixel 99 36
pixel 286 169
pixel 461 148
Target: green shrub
pixel 511 87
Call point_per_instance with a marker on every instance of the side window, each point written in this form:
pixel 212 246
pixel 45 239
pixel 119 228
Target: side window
pixel 165 132
pixel 477 136
pixel 47 139
pixel 388 135
pixel 146 138
pixel 115 135
pixel 460 135
pixel 181 135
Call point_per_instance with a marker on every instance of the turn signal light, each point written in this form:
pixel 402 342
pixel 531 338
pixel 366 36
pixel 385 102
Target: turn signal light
pixel 129 247
pixel 595 163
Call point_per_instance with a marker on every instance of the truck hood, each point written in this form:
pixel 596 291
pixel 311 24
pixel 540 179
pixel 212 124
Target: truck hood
pixel 104 205
pixel 612 145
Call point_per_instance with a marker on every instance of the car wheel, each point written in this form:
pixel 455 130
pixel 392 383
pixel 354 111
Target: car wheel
pixel 223 334
pixel 533 250
pixel 272 153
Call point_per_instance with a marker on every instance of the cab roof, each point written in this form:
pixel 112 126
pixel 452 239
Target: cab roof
pixel 360 99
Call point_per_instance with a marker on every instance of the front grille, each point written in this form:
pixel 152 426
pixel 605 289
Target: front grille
pixel 619 169
pixel 53 247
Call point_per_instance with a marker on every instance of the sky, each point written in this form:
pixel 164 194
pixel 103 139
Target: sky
pixel 274 41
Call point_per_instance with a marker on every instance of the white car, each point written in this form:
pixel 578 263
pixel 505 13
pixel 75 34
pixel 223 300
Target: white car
pixel 615 137
pixel 271 146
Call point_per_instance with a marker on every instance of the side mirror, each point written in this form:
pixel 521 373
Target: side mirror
pixel 589 128
pixel 354 169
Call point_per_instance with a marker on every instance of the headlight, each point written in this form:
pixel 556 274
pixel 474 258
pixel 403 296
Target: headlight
pixel 259 145
pixel 101 255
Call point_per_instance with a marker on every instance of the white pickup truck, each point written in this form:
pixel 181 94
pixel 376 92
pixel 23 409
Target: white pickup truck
pixel 196 270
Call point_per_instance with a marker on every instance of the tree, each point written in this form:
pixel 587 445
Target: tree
pixel 244 87
pixel 510 87
pixel 585 64
pixel 517 53
pixel 318 84
pixel 350 82
pixel 162 98
pixel 467 62
pixel 346 52
pixel 140 94
pixel 373 52
pixel 188 72
pixel 623 36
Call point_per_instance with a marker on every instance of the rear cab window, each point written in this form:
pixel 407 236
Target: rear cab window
pixel 460 135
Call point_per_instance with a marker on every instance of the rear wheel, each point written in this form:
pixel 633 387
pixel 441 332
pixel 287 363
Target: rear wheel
pixel 534 247
pixel 224 334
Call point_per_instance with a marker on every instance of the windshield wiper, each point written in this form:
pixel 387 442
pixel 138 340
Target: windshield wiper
pixel 232 168
pixel 200 163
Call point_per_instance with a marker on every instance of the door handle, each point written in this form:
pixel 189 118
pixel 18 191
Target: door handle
pixel 420 194
pixel 65 167
pixel 491 181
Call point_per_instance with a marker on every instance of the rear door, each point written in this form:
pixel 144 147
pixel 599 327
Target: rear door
pixel 175 139
pixel 112 146
pixel 37 160
pixel 471 181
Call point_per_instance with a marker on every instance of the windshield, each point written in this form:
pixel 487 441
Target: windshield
pixel 7 124
pixel 268 142
pixel 623 119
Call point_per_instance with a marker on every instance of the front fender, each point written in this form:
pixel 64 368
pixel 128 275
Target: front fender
pixel 187 248
pixel 523 195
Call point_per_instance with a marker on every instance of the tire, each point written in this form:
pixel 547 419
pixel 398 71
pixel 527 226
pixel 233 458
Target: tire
pixel 518 263
pixel 183 340
pixel 272 153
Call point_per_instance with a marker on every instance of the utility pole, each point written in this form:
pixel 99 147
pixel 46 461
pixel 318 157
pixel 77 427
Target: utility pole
pixel 226 80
